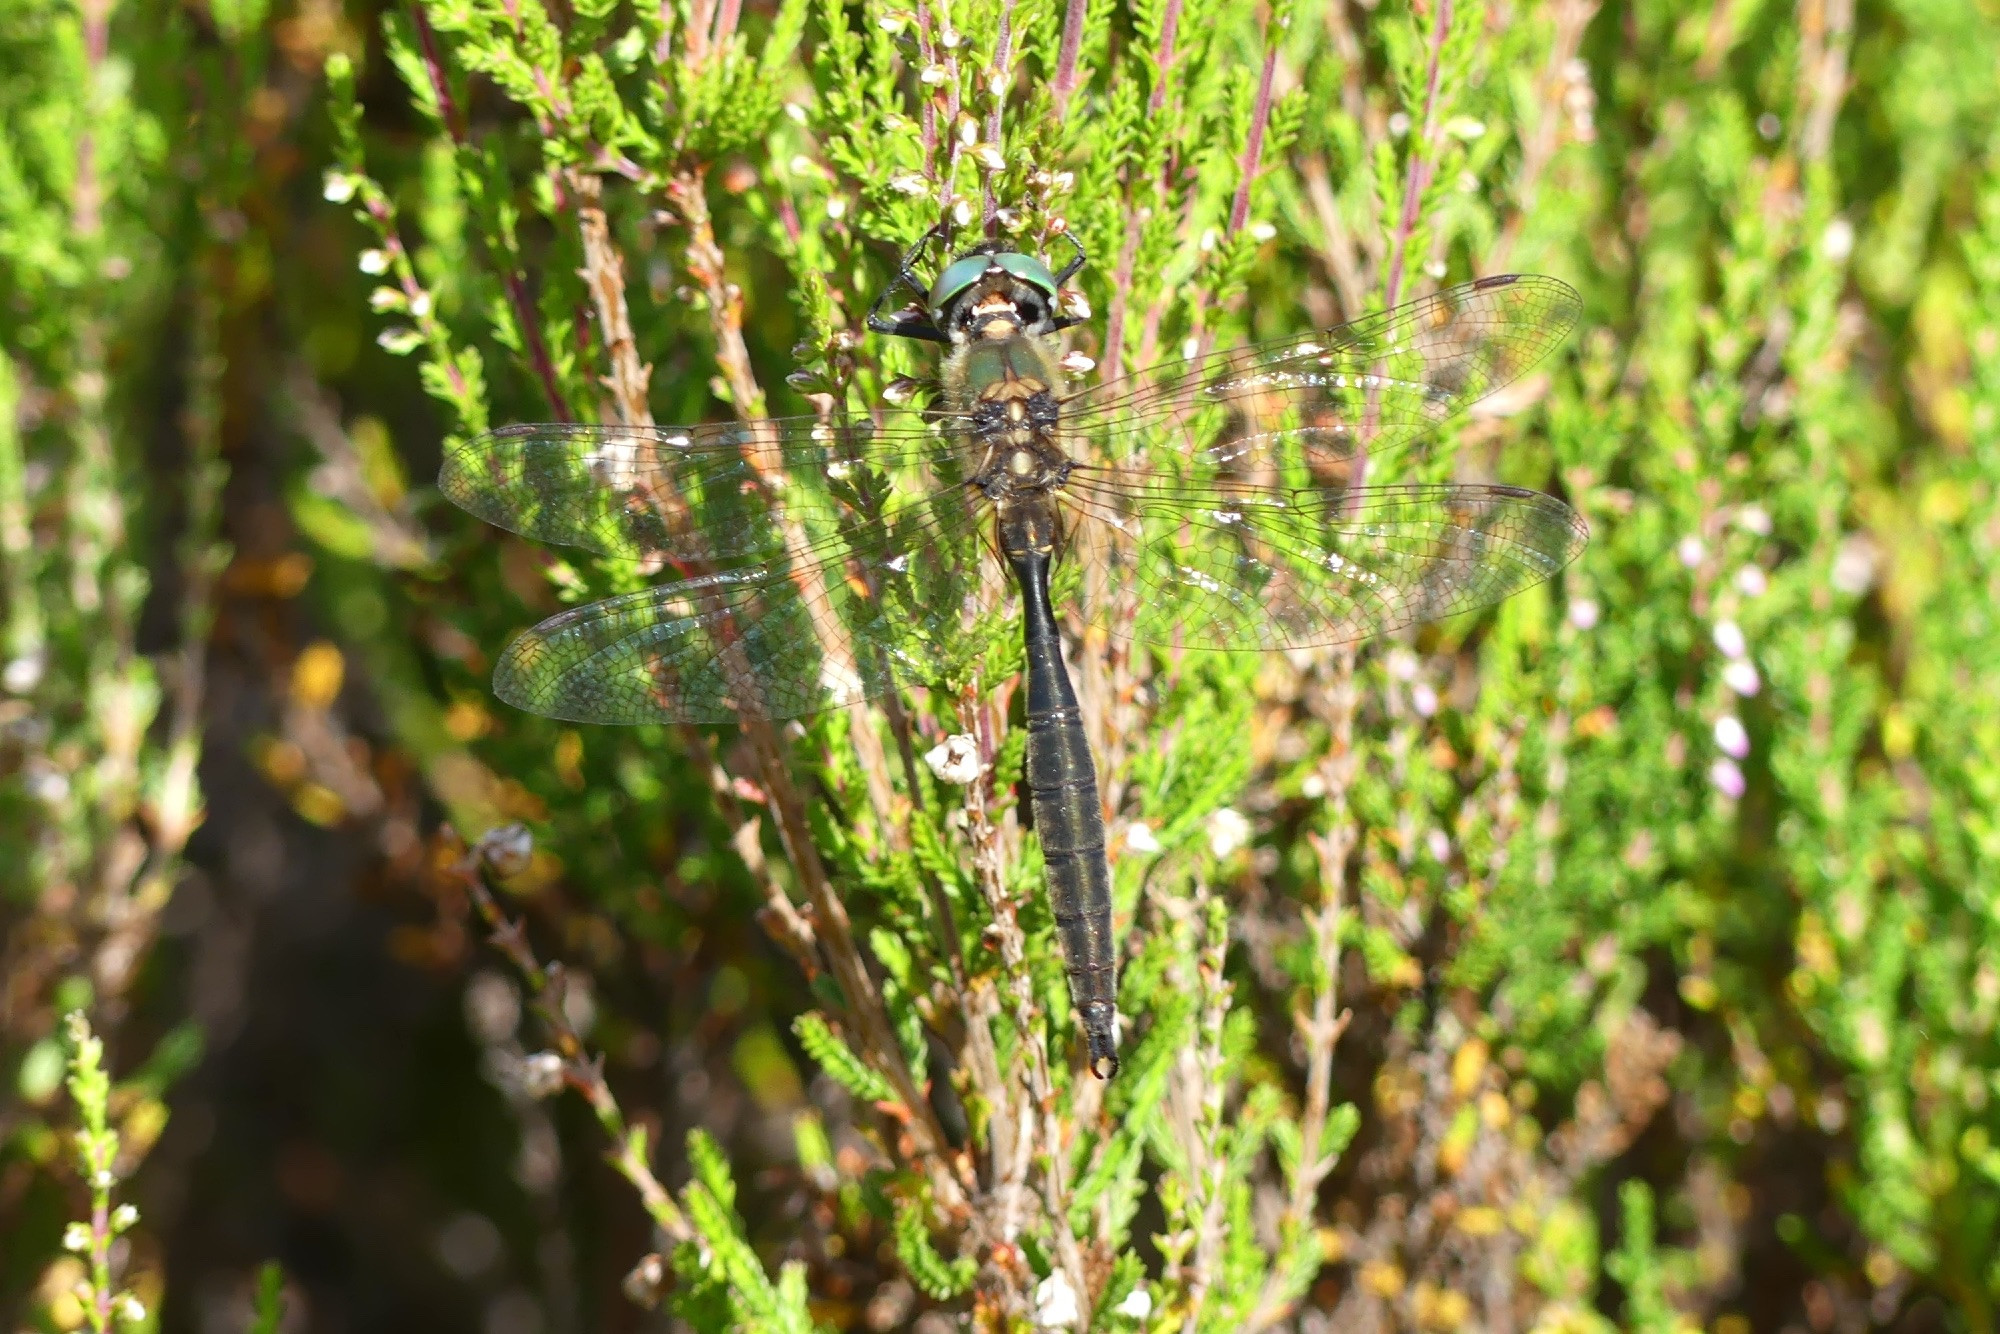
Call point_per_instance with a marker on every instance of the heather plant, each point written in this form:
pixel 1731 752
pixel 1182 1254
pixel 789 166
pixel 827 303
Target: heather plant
pixel 113 272
pixel 1621 957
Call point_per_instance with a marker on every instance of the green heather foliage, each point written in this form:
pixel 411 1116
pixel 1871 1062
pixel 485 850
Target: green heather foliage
pixel 1625 957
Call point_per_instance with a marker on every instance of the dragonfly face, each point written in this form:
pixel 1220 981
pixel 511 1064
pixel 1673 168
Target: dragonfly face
pixel 1233 502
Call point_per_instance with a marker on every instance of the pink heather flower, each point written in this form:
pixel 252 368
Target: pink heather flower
pixel 1729 638
pixel 1423 699
pixel 1741 677
pixel 1730 736
pixel 1583 613
pixel 1728 779
pixel 1750 581
pixel 1691 550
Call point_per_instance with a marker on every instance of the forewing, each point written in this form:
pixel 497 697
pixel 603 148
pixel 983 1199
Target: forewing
pixel 1223 566
pixel 1377 388
pixel 849 617
pixel 720 492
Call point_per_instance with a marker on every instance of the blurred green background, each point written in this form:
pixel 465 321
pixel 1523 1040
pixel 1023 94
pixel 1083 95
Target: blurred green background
pixel 1662 903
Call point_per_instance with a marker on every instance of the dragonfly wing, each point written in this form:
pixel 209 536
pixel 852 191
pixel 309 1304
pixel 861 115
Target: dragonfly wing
pixel 718 492
pixel 1240 567
pixel 850 617
pixel 1372 389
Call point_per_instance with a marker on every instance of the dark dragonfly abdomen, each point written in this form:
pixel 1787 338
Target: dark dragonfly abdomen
pixel 1062 788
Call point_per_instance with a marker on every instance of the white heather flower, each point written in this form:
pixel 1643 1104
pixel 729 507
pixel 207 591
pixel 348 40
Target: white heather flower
pixel 1138 1303
pixel 386 298
pixel 399 340
pixel 1424 699
pixel 542 1075
pixel 1728 637
pixel 131 1309
pixel 908 182
pixel 76 1237
pixel 1837 241
pixel 1741 677
pixel 1399 124
pixel 23 673
pixel 339 187
pixel 1077 363
pixel 1139 837
pixel 961 212
pixel 1260 232
pixel 1754 519
pixel 1465 127
pixel 901 390
pixel 955 759
pixel 1854 565
pixel 1730 737
pixel 990 157
pixel 836 208
pixel 46 784
pixel 374 261
pixel 420 304
pixel 933 75
pixel 123 1217
pixel 1439 843
pixel 1727 778
pixel 1583 613
pixel 1055 1302
pixel 1227 831
pixel 508 849
pixel 1751 581
pixel 1691 550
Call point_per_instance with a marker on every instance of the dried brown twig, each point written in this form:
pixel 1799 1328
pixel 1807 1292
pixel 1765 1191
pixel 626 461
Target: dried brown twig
pixel 506 850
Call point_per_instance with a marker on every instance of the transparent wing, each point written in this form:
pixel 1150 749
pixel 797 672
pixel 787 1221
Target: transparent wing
pixel 1236 566
pixel 718 492
pixel 852 616
pixel 1372 389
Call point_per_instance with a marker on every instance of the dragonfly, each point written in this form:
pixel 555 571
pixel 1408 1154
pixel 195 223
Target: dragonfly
pixel 1281 495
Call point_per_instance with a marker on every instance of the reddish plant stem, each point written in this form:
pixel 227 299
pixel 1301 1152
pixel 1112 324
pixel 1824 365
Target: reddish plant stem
pixel 1170 26
pixel 1417 180
pixel 525 315
pixel 1003 70
pixel 1253 147
pixel 725 22
pixel 1064 84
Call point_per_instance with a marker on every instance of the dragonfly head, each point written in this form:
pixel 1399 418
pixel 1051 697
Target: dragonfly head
pixel 993 291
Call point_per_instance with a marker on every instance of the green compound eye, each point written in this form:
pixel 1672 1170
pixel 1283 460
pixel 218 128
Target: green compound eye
pixel 963 273
pixel 1029 270
pixel 957 276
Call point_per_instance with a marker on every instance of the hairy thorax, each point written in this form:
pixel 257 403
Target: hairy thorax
pixel 1007 388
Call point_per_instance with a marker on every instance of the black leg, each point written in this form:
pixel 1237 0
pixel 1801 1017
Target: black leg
pixel 907 323
pixel 1070 269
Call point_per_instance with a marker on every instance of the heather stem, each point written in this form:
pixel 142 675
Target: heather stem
pixel 1417 179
